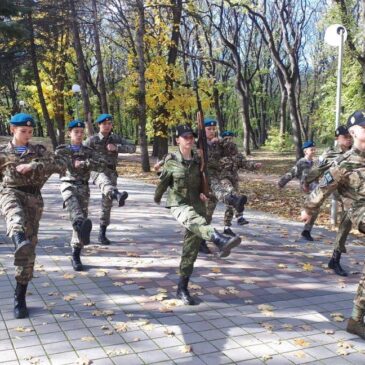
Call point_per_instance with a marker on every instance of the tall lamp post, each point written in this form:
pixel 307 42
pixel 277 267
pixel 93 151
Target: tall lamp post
pixel 335 36
pixel 76 89
pixel 21 105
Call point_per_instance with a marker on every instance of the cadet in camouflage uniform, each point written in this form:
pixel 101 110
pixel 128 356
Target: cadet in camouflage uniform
pixel 75 187
pixel 347 177
pixel 24 170
pixel 181 176
pixel 230 163
pixel 300 170
pixel 343 144
pixel 108 145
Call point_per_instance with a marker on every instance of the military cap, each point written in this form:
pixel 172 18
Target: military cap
pixel 228 134
pixel 208 122
pixel 103 117
pixel 308 144
pixel 341 131
pixel 182 130
pixel 21 120
pixel 356 118
pixel 76 123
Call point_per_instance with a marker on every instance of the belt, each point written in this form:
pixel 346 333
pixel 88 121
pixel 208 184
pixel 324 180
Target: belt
pixel 28 189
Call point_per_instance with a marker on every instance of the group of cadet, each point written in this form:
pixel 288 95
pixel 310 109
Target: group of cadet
pixel 25 168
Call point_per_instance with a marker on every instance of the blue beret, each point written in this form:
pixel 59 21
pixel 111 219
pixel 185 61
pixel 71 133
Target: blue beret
pixel 208 122
pixel 308 144
pixel 76 123
pixel 22 119
pixel 228 134
pixel 103 117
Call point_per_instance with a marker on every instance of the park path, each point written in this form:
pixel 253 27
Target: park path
pixel 272 301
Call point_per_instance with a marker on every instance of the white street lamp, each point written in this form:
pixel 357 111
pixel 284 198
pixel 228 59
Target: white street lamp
pixel 335 36
pixel 76 89
pixel 21 104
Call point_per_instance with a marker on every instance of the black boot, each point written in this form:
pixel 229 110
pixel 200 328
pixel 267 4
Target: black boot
pixel 75 259
pixel 23 248
pixel 242 221
pixel 83 229
pixel 120 197
pixel 203 248
pixel 335 265
pixel 224 243
pixel 102 238
pixel 183 292
pixel 307 235
pixel 237 201
pixel 228 231
pixel 356 328
pixel 20 306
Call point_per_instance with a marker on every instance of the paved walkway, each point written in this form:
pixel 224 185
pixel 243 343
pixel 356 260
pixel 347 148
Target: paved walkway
pixel 272 301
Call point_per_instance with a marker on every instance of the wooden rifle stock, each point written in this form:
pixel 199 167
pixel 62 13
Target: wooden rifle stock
pixel 203 151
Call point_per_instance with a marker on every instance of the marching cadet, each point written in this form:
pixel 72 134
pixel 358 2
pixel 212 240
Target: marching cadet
pixel 343 144
pixel 181 176
pixel 230 163
pixel 108 145
pixel 75 187
pixel 347 177
pixel 25 167
pixel 300 170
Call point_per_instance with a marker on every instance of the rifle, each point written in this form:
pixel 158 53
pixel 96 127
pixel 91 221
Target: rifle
pixel 202 145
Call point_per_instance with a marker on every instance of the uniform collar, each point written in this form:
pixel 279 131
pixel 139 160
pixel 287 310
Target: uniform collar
pixel 101 136
pixel 30 148
pixel 180 158
pixel 358 152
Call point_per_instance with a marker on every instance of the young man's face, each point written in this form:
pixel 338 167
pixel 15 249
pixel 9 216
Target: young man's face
pixel 106 127
pixel 344 141
pixel 310 152
pixel 22 135
pixel 211 132
pixel 358 134
pixel 76 135
pixel 186 141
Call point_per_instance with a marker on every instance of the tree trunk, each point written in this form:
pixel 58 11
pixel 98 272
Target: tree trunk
pixel 42 101
pixel 81 68
pixel 295 121
pixel 283 104
pixel 142 87
pixel 217 109
pixel 99 61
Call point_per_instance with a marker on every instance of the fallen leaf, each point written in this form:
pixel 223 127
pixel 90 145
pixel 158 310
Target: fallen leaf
pixel 288 327
pixel 84 360
pixel 337 317
pixel 268 326
pixel 282 266
pixel 186 349
pixel 307 267
pixel 300 354
pixel 329 332
pixel 24 329
pixel 89 304
pixel 215 270
pixel 87 339
pixel 266 358
pixel 69 276
pixel 70 297
pixel 169 333
pixel 301 342
pixel 112 353
pixel 121 327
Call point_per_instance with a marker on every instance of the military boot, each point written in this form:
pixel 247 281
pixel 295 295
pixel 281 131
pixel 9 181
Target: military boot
pixel 83 229
pixel 120 197
pixel 75 259
pixel 102 239
pixel 23 248
pixel 241 221
pixel 183 292
pixel 356 328
pixel 224 243
pixel 307 235
pixel 335 265
pixel 203 247
pixel 228 231
pixel 20 306
pixel 237 201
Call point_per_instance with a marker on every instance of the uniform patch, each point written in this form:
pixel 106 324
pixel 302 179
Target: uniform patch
pixel 327 179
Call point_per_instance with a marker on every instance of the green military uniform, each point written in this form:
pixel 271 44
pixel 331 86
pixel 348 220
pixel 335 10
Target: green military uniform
pixel 182 179
pixel 21 200
pixel 107 180
pixel 75 183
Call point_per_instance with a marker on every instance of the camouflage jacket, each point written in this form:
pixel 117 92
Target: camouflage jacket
pixel 43 164
pixel 182 180
pixel 324 163
pixel 91 161
pixel 98 143
pixel 215 153
pixel 300 170
pixel 347 176
pixel 232 161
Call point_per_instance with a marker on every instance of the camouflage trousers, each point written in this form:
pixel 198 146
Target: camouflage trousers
pixel 197 229
pixel 308 226
pixel 107 183
pixel 342 233
pixel 76 201
pixel 22 212
pixel 221 188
